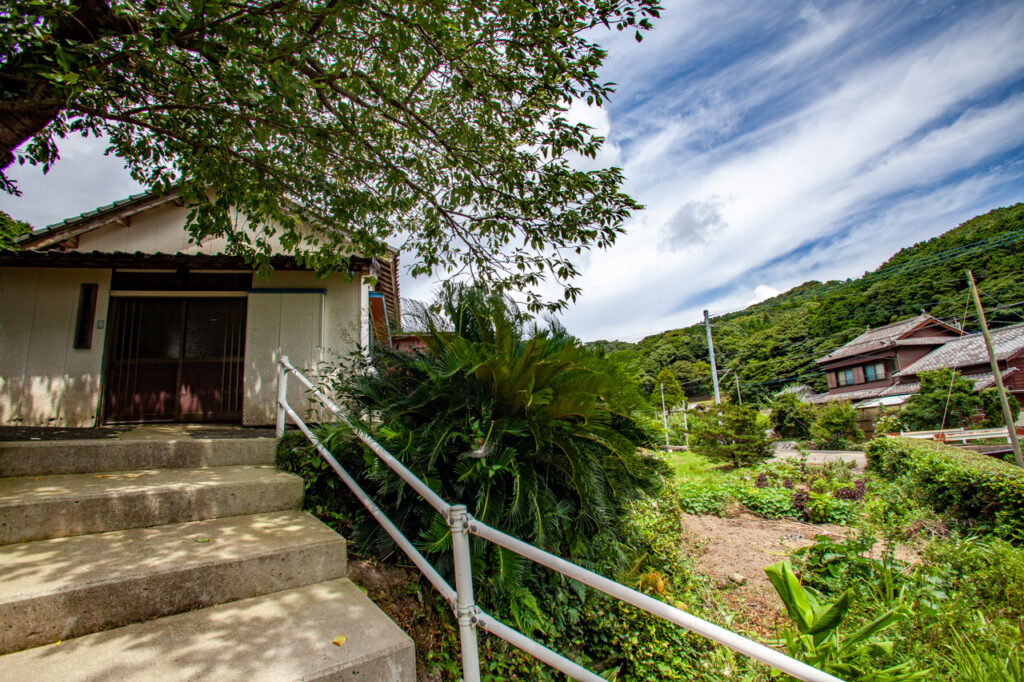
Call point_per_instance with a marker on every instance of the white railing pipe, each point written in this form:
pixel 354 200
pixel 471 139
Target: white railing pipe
pixel 432 498
pixel 736 642
pixel 535 649
pixel 403 543
pixel 465 607
pixel 282 393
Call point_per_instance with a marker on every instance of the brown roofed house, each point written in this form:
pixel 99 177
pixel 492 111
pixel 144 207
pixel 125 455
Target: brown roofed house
pixel 867 366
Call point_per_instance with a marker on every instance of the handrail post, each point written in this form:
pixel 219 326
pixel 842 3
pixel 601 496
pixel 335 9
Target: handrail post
pixel 282 393
pixel 465 608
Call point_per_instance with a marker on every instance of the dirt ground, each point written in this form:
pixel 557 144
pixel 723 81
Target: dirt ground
pixel 745 545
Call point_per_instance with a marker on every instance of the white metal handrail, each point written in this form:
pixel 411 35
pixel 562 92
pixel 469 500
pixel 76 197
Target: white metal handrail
pixel 462 525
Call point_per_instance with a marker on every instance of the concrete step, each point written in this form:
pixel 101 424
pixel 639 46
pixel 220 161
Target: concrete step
pixel 69 587
pixel 274 638
pixel 41 507
pixel 41 458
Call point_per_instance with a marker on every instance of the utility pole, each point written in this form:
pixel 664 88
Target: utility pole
pixel 1011 429
pixel 686 426
pixel 664 413
pixel 739 397
pixel 711 355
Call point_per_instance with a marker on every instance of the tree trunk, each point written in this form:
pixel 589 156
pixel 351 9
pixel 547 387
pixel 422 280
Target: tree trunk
pixel 27 106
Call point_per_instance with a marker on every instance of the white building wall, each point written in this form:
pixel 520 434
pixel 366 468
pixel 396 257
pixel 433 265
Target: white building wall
pixel 43 380
pixel 293 318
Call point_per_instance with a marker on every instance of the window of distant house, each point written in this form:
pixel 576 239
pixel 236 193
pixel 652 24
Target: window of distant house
pixel 844 377
pixel 874 372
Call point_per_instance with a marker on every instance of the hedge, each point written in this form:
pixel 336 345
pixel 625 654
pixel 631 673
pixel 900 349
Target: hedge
pixel 968 485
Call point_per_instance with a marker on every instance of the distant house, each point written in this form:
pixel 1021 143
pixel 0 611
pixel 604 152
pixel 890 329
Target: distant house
pixel 881 366
pixel 114 316
pixel 867 366
pixel 969 356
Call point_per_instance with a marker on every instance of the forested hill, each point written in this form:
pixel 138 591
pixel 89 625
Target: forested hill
pixel 774 343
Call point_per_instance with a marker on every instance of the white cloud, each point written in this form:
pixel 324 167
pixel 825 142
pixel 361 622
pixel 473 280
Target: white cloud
pixel 762 292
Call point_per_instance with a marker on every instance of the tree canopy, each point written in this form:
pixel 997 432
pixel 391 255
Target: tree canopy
pixel 10 229
pixel 437 125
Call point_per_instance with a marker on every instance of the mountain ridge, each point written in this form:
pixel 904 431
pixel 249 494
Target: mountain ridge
pixel 773 343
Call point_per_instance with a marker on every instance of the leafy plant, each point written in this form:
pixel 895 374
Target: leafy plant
pixel 790 416
pixel 732 433
pixel 888 423
pixel 946 400
pixel 538 436
pixel 993 408
pixel 449 136
pixel 836 427
pixel 816 640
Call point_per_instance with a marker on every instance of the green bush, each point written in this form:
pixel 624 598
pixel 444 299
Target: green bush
pixel 538 436
pixel 993 409
pixel 769 503
pixel 791 417
pixel 970 486
pixel 888 423
pixel 945 400
pixel 702 497
pixel 836 427
pixel 730 433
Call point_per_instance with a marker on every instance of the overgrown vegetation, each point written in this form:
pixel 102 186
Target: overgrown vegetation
pixel 946 400
pixel 976 489
pixel 730 433
pixel 538 437
pixel 835 427
pixel 779 489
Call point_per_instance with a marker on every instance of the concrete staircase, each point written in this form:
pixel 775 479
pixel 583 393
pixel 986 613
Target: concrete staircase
pixel 176 560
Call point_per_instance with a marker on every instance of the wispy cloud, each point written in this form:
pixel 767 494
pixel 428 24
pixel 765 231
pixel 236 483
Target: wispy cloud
pixel 851 131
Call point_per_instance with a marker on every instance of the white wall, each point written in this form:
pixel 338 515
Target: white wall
pixel 158 230
pixel 307 327
pixel 43 380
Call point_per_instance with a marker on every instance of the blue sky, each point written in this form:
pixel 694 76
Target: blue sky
pixel 771 142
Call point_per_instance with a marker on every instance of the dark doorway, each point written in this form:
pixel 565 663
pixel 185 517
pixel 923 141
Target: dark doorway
pixel 175 359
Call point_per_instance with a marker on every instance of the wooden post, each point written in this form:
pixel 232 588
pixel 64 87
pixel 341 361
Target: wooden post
pixel 1011 430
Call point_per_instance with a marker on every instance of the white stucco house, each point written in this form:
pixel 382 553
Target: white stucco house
pixel 114 316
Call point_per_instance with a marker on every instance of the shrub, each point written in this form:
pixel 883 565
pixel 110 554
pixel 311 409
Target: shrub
pixel 732 433
pixel 836 427
pixel 535 434
pixel 791 417
pixel 965 484
pixel 993 409
pixel 888 423
pixel 770 503
pixel 945 400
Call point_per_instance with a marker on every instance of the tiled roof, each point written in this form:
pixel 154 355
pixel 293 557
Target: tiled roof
pixel 882 337
pixel 982 380
pixel 970 350
pixel 83 216
pixel 847 395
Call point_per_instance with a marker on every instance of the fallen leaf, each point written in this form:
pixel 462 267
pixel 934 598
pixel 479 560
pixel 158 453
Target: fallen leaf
pixel 200 539
pixel 57 643
pixel 339 640
pixel 130 475
pixel 102 476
